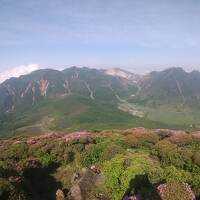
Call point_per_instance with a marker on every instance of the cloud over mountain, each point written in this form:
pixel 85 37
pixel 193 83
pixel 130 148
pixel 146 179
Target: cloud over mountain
pixel 18 71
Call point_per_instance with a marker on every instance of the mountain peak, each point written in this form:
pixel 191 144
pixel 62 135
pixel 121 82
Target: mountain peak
pixel 117 72
pixel 175 70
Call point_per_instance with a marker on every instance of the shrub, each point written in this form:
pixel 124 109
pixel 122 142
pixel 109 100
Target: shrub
pixel 111 151
pixel 196 184
pixel 45 158
pixel 68 157
pixel 172 174
pixel 176 191
pixel 64 175
pixel 93 153
pixel 30 163
pixel 123 143
pixel 168 154
pixel 186 156
pixel 196 158
pixel 16 152
pixel 122 171
pixel 142 139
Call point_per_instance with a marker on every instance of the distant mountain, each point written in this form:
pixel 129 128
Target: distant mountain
pixel 55 100
pixel 53 84
pixel 81 98
pixel 173 86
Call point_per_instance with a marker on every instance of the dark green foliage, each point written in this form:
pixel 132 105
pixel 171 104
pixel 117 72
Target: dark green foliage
pixel 196 183
pixel 126 163
pixel 196 158
pixel 100 152
pixel 92 154
pixel 11 191
pixel 110 151
pixel 15 152
pixel 45 157
pixel 123 143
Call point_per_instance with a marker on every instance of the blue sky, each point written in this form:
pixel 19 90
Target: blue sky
pixel 137 35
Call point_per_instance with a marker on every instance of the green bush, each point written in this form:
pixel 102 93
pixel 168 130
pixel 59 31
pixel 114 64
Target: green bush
pixel 15 152
pixel 196 158
pixel 169 174
pixel 46 158
pixel 172 174
pixel 196 184
pixel 93 153
pixel 122 171
pixel 110 152
pixel 176 191
pixel 168 154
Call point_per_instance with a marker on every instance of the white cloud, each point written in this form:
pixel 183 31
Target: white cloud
pixel 18 71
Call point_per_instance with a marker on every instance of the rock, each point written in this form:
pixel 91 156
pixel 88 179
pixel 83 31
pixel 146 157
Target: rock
pixel 95 169
pixel 135 197
pixel 76 193
pixel 14 179
pixel 83 184
pixel 60 195
pixel 75 177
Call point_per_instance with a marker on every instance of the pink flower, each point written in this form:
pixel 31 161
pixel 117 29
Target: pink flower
pixel 162 189
pixel 74 135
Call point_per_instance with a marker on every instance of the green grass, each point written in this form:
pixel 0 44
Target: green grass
pixel 172 116
pixel 78 113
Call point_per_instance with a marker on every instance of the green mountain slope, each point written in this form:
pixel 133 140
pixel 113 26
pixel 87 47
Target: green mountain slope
pixel 82 98
pixel 56 100
pixel 173 87
pixel 73 112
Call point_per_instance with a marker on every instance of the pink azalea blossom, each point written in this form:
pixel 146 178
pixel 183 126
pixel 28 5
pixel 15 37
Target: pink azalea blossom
pixel 163 188
pixel 80 134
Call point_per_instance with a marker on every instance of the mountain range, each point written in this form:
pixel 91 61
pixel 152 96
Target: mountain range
pixel 79 98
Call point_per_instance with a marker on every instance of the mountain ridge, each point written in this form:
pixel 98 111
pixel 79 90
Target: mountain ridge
pixel 62 99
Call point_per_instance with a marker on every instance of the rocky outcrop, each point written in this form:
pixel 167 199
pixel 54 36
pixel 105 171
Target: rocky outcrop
pixel 44 84
pixel 135 197
pixel 60 195
pixel 82 184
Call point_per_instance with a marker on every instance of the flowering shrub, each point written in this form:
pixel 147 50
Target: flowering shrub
pixel 176 191
pixel 74 135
